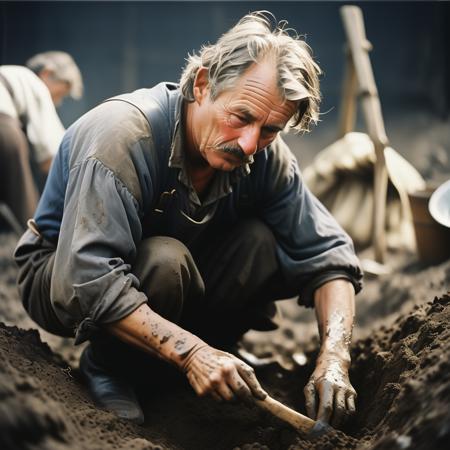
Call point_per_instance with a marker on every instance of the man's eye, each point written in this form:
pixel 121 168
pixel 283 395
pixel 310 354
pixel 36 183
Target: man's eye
pixel 268 133
pixel 237 121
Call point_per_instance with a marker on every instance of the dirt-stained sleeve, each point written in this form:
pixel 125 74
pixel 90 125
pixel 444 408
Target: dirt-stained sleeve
pixel 92 283
pixel 312 247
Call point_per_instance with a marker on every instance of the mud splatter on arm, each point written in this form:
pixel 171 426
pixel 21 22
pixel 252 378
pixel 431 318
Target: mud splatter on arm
pixel 210 371
pixel 149 331
pixel 335 311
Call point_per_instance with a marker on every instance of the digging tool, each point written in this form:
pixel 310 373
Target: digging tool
pixel 306 426
pixel 337 172
pixel 360 79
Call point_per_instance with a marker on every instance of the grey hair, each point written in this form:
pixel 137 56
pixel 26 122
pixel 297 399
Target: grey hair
pixel 63 67
pixel 256 36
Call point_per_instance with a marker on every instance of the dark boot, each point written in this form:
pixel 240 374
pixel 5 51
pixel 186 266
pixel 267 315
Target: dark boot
pixel 108 390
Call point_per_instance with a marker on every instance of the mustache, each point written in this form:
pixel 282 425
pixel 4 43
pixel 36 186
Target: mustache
pixel 235 151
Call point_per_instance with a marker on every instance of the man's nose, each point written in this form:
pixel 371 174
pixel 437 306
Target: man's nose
pixel 248 141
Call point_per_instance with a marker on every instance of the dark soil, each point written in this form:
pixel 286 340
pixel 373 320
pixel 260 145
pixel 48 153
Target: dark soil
pixel 401 371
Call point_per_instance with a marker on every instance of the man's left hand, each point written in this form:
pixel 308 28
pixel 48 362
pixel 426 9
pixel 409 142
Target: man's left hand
pixel 329 393
pixel 330 397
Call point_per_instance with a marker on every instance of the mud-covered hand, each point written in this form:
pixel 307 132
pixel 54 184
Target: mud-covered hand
pixel 210 371
pixel 329 395
pixel 221 375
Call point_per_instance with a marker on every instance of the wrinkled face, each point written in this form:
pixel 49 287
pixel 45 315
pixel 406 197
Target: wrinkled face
pixel 242 120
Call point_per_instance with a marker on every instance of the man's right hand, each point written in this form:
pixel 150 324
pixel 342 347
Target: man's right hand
pixel 210 371
pixel 221 375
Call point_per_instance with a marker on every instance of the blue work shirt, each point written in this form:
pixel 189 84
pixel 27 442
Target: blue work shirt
pixel 115 168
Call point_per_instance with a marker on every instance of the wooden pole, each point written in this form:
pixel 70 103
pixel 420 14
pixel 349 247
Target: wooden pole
pixel 359 48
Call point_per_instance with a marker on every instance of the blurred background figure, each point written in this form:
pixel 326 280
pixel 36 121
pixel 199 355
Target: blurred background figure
pixel 30 129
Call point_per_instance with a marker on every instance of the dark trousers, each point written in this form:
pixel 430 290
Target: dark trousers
pixel 17 187
pixel 219 288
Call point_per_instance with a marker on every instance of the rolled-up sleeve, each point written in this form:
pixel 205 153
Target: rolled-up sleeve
pixel 92 283
pixel 312 247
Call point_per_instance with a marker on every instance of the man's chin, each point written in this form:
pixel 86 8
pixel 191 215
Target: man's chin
pixel 225 164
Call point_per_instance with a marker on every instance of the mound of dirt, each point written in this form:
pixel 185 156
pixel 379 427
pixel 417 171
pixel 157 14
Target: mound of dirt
pixel 400 371
pixel 402 376
pixel 43 406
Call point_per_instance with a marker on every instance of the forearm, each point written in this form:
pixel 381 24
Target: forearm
pixel 210 371
pixel 335 311
pixel 152 333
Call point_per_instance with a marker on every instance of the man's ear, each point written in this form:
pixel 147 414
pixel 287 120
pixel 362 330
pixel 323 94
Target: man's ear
pixel 201 85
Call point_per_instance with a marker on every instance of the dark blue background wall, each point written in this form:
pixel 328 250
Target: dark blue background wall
pixel 121 46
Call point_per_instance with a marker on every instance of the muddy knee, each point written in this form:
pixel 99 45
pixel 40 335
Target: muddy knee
pixel 168 275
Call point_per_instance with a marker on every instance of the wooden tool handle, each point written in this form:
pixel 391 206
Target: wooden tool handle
pixel 295 419
pixel 359 48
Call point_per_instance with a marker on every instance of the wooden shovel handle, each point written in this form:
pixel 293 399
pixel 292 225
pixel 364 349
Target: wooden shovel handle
pixel 295 419
pixel 359 48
